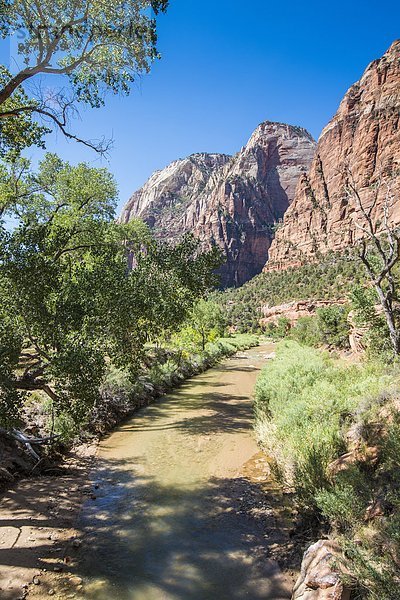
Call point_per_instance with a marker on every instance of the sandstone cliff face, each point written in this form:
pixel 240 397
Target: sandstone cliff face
pixel 233 202
pixel 293 311
pixel 164 199
pixel 363 138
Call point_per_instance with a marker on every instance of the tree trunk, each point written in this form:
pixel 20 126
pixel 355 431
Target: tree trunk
pixel 13 84
pixel 390 320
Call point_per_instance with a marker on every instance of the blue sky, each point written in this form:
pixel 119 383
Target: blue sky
pixel 226 66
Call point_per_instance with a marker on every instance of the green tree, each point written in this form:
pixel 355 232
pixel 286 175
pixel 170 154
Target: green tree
pixel 333 327
pixel 98 46
pixel 69 302
pixel 306 331
pixel 207 318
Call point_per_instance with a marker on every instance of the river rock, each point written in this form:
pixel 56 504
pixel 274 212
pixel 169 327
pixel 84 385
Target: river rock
pixel 319 579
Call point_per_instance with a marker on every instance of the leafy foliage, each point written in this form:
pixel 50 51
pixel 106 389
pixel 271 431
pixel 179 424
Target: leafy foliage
pixel 98 46
pixel 206 320
pixel 376 339
pixel 19 130
pixel 330 278
pixel 333 326
pixel 69 299
pixel 279 329
pixel 329 328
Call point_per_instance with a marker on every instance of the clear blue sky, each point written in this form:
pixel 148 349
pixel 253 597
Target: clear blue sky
pixel 226 66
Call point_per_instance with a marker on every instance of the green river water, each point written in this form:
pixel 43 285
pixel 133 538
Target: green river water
pixel 165 523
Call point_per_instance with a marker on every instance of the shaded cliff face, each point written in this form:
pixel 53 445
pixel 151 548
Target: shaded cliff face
pixel 363 138
pixel 233 202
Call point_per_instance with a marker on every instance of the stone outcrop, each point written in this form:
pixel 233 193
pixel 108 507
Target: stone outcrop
pixel 293 311
pixel 233 202
pixel 319 578
pixel 360 145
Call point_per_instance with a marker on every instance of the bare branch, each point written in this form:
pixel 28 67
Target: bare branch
pixel 378 234
pixel 101 147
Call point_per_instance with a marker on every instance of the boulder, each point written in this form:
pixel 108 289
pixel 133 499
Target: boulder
pixel 319 578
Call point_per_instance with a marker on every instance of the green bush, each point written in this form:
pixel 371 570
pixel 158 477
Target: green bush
pixel 279 329
pixel 377 338
pixel 344 503
pixel 305 404
pixel 303 400
pixel 333 326
pixel 306 332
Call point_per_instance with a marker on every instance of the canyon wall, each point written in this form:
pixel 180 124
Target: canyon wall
pixel 359 148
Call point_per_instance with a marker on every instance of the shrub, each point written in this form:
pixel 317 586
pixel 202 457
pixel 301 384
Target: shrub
pixel 305 403
pixel 377 338
pixel 303 400
pixel 344 503
pixel 306 332
pixel 279 329
pixel 333 326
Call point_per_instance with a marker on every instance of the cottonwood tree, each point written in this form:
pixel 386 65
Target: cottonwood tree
pixel 69 304
pixel 379 248
pixel 205 318
pixel 97 45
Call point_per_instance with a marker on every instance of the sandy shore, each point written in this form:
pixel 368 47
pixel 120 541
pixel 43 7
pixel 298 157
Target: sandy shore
pixel 37 528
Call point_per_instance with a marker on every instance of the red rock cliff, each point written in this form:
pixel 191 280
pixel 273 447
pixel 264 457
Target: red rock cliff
pixel 363 138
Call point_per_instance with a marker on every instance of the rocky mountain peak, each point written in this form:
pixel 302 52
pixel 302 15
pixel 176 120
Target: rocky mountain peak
pixel 168 192
pixel 231 201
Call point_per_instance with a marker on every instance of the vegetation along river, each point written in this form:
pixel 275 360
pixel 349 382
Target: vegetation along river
pixel 166 521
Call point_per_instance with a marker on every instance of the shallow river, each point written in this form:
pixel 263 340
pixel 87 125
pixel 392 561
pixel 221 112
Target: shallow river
pixel 165 524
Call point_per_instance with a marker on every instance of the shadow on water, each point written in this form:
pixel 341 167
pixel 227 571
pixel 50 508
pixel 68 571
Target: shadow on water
pixel 144 540
pixel 227 413
pixel 223 417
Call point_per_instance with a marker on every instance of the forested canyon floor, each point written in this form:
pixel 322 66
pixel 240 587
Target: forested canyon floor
pixel 176 506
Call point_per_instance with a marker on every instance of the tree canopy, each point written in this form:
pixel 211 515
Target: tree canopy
pixel 98 46
pixel 69 302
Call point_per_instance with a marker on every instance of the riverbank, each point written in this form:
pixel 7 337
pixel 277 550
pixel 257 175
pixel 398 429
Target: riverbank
pixel 332 429
pixel 120 398
pixel 212 433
